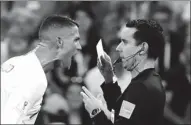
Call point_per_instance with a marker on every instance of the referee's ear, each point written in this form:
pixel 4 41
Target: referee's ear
pixel 144 48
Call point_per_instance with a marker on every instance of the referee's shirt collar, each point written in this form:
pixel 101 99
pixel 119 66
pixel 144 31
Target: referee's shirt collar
pixel 144 73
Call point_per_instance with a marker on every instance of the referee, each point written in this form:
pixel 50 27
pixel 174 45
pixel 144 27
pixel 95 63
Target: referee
pixel 142 102
pixel 23 79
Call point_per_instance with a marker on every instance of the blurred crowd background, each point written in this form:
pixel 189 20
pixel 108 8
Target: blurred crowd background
pixel 62 102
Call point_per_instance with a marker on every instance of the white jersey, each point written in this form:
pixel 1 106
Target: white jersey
pixel 23 84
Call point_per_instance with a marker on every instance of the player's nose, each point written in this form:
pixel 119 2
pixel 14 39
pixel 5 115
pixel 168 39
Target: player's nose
pixel 78 46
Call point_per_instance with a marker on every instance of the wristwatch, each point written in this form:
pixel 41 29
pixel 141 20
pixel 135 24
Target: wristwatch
pixel 95 112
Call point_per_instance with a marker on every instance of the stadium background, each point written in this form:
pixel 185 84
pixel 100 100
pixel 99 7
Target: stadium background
pixel 20 21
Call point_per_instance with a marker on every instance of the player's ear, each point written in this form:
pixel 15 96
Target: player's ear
pixel 144 48
pixel 59 42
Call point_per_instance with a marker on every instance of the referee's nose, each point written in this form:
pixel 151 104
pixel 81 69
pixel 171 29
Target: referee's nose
pixel 119 47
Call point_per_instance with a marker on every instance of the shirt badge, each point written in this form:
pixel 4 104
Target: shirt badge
pixel 127 109
pixel 7 68
pixel 23 106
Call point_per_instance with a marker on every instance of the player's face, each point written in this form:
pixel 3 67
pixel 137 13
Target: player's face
pixel 70 45
pixel 127 47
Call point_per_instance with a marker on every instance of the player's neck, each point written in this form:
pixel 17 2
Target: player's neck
pixel 45 57
pixel 146 64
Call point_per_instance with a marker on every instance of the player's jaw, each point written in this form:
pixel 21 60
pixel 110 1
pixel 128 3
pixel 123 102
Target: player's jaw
pixel 70 58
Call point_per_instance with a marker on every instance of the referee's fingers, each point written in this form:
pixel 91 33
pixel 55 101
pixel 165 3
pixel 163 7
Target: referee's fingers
pixel 87 92
pixel 85 97
pixel 98 63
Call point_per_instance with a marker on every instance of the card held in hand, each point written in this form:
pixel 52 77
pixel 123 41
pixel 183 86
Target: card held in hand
pixel 100 51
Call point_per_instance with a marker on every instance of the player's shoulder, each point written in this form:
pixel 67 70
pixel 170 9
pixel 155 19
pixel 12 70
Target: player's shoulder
pixel 17 62
pixel 13 60
pixel 10 63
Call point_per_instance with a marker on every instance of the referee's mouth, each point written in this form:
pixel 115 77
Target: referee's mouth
pixel 119 60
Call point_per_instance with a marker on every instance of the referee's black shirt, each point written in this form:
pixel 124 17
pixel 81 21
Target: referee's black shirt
pixel 145 92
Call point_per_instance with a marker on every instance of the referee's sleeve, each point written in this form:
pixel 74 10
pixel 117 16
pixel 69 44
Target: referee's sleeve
pixel 111 92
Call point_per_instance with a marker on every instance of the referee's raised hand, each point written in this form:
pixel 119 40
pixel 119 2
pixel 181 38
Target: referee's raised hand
pixel 90 101
pixel 106 68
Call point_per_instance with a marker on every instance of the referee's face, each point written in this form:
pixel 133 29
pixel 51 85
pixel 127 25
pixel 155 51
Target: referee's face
pixel 70 44
pixel 127 47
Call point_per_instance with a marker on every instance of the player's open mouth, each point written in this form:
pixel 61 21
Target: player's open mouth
pixel 72 59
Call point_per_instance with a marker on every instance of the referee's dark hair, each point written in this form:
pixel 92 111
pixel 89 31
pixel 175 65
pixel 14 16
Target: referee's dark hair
pixel 56 21
pixel 151 32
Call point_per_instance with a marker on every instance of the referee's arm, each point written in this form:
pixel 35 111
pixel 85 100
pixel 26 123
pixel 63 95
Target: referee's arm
pixel 111 92
pixel 101 119
pixel 139 116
